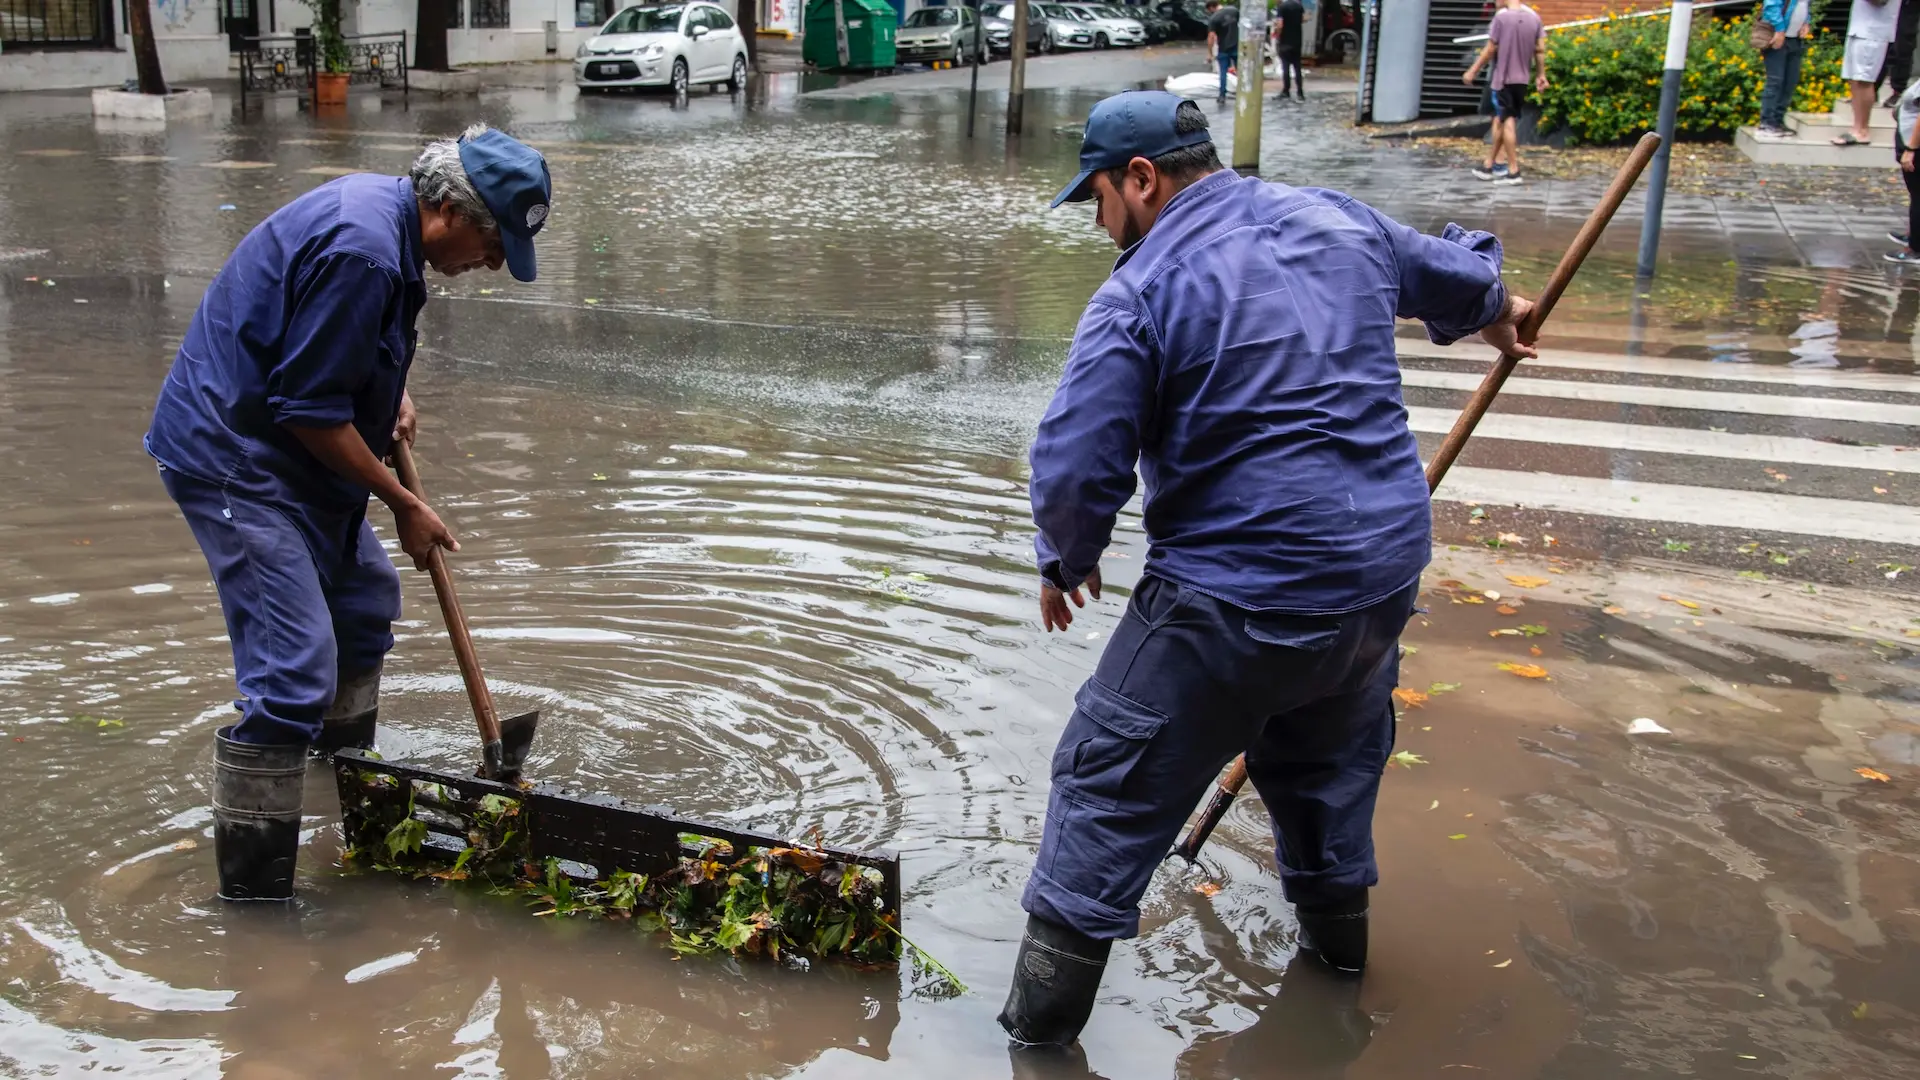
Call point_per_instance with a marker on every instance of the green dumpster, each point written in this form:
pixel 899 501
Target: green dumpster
pixel 849 35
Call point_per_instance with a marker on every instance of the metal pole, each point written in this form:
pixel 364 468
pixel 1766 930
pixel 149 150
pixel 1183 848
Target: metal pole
pixel 1678 32
pixel 979 61
pixel 1017 77
pixel 1250 99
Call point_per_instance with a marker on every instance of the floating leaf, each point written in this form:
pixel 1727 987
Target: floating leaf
pixel 1443 688
pixel 1435 806
pixel 1509 632
pixel 1860 1011
pixel 185 845
pixel 1503 963
pixel 1527 582
pixel 1525 671
pixel 1753 575
pixel 108 722
pixel 1534 650
pixel 1688 604
pixel 1410 697
pixel 1208 888
pixel 1512 538
pixel 1458 836
pixel 1532 629
pixel 1472 599
pixel 1874 774
pixel 1507 609
pixel 1613 609
pixel 1407 758
pixel 599 476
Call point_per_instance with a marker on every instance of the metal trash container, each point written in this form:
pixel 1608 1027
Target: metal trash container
pixel 850 35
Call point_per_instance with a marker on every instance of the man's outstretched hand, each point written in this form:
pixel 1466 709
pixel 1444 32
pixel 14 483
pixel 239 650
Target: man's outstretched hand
pixel 1503 333
pixel 1054 612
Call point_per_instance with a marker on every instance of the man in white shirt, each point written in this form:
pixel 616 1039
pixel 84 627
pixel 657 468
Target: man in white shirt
pixel 1870 29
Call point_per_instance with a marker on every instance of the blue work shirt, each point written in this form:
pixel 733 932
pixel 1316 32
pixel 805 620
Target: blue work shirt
pixel 1242 353
pixel 311 323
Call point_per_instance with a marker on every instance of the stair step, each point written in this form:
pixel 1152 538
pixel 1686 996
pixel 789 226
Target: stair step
pixel 1823 131
pixel 1881 117
pixel 1800 150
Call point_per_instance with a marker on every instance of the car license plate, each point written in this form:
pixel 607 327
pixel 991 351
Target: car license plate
pixel 608 69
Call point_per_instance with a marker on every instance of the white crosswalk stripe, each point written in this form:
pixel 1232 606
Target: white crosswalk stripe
pixel 1691 463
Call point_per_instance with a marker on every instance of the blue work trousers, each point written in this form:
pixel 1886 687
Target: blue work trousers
pixel 308 595
pixel 1188 682
pixel 1226 61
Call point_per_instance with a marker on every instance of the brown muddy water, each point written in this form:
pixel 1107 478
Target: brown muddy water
pixel 764 556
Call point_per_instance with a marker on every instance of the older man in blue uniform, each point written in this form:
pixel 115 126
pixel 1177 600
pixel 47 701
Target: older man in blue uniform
pixel 288 390
pixel 1242 357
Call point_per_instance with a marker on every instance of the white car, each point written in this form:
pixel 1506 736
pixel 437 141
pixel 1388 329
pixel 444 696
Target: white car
pixel 1065 30
pixel 1110 27
pixel 674 45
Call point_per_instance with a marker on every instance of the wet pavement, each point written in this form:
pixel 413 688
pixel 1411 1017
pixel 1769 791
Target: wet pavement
pixel 740 484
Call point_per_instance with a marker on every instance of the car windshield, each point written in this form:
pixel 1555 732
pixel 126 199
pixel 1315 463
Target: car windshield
pixel 645 20
pixel 1000 11
pixel 1110 13
pixel 934 17
pixel 1059 11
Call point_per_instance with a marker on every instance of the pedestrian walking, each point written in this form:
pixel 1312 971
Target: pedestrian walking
pixel 1287 24
pixel 1241 359
pixel 1223 38
pixel 1781 36
pixel 288 389
pixel 1906 136
pixel 1517 47
pixel 1871 25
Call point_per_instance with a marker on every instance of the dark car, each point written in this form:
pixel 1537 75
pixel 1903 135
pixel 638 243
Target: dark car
pixel 1159 27
pixel 1039 35
pixel 1189 17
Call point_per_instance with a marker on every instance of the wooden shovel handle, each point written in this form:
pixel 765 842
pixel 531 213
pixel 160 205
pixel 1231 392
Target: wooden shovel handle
pixel 1456 440
pixel 456 619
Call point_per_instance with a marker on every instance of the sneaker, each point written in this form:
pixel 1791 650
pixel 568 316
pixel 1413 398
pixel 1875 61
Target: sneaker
pixel 1899 238
pixel 1904 255
pixel 1773 134
pixel 1509 179
pixel 1481 172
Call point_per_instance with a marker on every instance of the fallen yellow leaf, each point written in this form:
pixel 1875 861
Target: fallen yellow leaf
pixel 1525 671
pixel 1613 609
pixel 1472 599
pixel 1525 582
pixel 1208 888
pixel 1410 697
pixel 1688 604
pixel 1507 609
pixel 1535 650
pixel 1458 836
pixel 1874 774
pixel 185 845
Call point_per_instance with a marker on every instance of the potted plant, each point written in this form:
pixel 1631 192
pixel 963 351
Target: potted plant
pixel 330 55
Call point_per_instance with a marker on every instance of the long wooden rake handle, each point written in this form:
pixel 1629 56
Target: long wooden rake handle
pixel 1235 777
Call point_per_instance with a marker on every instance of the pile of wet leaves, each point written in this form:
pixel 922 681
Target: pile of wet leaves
pixel 782 903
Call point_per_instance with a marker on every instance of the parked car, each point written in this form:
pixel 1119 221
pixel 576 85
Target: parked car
pixel 1189 17
pixel 1159 27
pixel 1069 31
pixel 1117 28
pixel 1039 32
pixel 938 33
pixel 673 45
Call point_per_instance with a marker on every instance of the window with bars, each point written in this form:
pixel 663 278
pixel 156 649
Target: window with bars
pixel 30 23
pixel 456 14
pixel 490 14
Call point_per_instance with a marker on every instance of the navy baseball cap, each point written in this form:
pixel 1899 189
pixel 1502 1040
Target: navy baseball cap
pixel 512 180
pixel 1138 123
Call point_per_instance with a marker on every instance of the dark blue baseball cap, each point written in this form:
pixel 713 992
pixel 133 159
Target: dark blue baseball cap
pixel 512 180
pixel 1138 123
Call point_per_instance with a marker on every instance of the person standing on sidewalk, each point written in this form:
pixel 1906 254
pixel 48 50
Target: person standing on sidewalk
pixel 1899 66
pixel 1906 136
pixel 1223 38
pixel 1791 22
pixel 1239 363
pixel 1517 46
pixel 1871 25
pixel 1287 25
pixel 288 389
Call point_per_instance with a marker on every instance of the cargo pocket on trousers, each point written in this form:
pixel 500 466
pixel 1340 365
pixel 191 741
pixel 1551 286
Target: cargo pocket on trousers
pixel 1105 740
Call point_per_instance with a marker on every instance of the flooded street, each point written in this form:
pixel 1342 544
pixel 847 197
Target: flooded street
pixel 740 486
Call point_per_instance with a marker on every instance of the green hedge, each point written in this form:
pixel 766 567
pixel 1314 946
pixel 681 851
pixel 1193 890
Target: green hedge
pixel 1604 81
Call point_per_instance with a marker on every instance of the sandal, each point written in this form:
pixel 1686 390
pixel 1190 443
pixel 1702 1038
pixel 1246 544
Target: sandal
pixel 1847 138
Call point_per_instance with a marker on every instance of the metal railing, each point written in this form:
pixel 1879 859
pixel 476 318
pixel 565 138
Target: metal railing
pixel 275 62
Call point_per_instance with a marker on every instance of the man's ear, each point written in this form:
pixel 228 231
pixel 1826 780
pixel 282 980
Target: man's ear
pixel 1142 173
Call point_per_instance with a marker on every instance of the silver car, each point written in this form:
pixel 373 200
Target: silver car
pixel 1110 27
pixel 1067 30
pixel 673 45
pixel 938 33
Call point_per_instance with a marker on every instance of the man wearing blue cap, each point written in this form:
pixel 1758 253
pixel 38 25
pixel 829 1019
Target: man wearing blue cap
pixel 1242 357
pixel 288 390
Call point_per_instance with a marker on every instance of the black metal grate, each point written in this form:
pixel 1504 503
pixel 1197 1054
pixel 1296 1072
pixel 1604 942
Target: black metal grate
pixel 490 14
pixel 30 23
pixel 1441 91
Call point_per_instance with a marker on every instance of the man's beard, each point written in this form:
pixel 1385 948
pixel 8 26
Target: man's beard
pixel 1131 234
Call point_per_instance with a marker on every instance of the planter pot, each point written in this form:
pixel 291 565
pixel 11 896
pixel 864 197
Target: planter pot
pixel 330 91
pixel 455 81
pixel 174 105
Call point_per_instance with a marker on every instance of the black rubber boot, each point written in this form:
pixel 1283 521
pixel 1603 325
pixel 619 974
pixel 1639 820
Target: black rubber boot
pixel 257 791
pixel 350 720
pixel 1055 979
pixel 1336 931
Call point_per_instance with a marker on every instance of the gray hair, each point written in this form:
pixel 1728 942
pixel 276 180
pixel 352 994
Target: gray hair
pixel 439 178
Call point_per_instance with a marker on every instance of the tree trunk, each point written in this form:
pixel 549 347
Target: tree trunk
pixel 430 36
pixel 748 16
pixel 146 55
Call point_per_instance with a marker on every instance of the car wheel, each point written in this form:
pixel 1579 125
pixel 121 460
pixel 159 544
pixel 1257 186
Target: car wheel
pixel 1099 41
pixel 679 78
pixel 738 81
pixel 1046 43
pixel 959 54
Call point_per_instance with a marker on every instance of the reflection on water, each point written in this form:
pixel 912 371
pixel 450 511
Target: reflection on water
pixel 766 559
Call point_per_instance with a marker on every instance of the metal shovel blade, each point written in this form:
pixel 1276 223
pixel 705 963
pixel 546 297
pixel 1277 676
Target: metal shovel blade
pixel 503 759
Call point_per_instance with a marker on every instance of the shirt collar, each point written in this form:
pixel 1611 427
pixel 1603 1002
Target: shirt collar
pixel 1186 196
pixel 414 263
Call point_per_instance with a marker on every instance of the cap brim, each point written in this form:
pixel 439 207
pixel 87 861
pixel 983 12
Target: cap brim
pixel 519 251
pixel 1075 191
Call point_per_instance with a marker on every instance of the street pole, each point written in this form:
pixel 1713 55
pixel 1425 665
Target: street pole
pixel 1250 99
pixel 979 61
pixel 1678 31
pixel 1017 77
